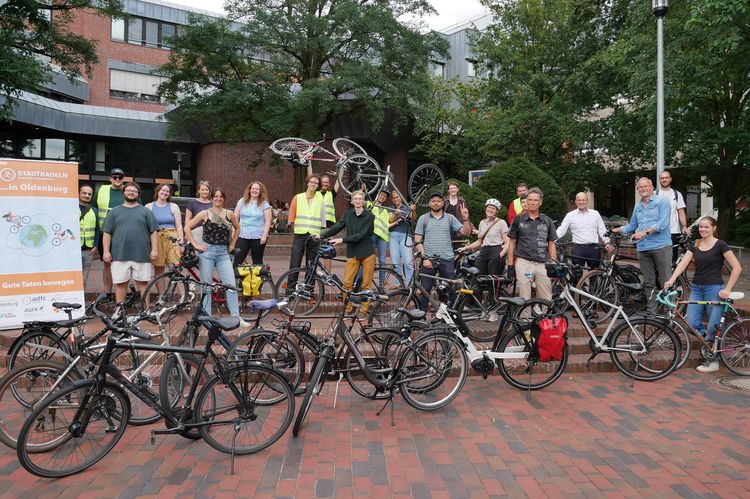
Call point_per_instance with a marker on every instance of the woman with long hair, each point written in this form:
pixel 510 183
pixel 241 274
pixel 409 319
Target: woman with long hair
pixel 169 219
pixel 709 254
pixel 254 214
pixel 201 202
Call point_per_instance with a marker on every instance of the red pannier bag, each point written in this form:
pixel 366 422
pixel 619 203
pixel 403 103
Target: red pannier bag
pixel 550 335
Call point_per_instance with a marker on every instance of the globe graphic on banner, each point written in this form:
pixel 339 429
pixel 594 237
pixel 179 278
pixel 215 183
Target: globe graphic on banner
pixel 33 236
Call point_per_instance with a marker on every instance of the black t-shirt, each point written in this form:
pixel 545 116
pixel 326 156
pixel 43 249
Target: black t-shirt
pixel 708 263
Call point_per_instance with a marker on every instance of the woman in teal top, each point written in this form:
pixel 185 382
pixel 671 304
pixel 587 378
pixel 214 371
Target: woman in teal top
pixel 255 215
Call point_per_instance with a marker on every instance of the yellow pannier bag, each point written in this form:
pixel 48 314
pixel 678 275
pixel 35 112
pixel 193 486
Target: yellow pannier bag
pixel 251 279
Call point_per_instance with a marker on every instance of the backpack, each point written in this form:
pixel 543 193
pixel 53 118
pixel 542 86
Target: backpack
pixel 549 336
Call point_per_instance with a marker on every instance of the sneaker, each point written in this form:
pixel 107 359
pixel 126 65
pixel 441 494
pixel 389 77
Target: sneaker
pixel 244 323
pixel 708 367
pixel 492 317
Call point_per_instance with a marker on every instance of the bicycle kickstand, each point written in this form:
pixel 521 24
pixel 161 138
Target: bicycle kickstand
pixel 336 393
pixel 234 440
pixel 389 401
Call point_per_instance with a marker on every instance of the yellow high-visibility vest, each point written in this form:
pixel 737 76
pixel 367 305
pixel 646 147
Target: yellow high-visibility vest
pixel 380 225
pixel 88 228
pixel 102 203
pixel 308 218
pixel 329 206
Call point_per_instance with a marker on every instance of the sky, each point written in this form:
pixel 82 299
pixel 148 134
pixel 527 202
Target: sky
pixel 450 12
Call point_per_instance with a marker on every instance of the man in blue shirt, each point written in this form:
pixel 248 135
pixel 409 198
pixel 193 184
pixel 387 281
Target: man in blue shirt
pixel 650 227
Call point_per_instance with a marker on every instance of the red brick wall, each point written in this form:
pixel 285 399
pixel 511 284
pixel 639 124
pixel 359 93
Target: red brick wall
pixel 99 28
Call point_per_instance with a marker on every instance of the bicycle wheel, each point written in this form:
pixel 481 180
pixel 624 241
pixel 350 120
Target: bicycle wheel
pixel 519 370
pixel 384 314
pixel 314 386
pixel 648 352
pixel 434 370
pixel 174 388
pixel 167 290
pixel 734 346
pixel 264 345
pixel 129 361
pixel 251 424
pixel 532 311
pixel 597 283
pixel 291 146
pixel 73 429
pixel 302 296
pixel 346 148
pixel 23 387
pixel 390 281
pixel 37 344
pixel 358 170
pixel 423 181
pixel 378 348
pixel 685 347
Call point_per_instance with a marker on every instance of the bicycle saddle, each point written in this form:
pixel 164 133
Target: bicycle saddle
pixel 472 271
pixel 412 314
pixel 513 300
pixel 736 295
pixel 256 305
pixel 66 306
pixel 224 324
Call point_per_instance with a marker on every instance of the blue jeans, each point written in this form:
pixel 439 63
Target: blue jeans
pixel 400 253
pixel 705 292
pixel 445 269
pixel 381 247
pixel 217 257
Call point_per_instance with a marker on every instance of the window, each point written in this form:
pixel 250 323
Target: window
pixel 118 30
pixel 54 149
pixel 438 69
pixel 167 32
pixel 471 68
pixel 133 86
pixel 135 31
pixel 152 34
pixel 148 32
pixel 32 149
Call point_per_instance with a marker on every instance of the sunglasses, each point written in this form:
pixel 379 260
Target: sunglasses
pixel 116 177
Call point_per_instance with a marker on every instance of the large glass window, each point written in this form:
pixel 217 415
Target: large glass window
pixel 152 34
pixel 54 149
pixel 118 29
pixel 135 31
pixel 133 86
pixel 167 32
pixel 140 31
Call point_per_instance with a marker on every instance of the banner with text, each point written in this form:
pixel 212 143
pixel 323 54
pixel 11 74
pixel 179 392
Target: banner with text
pixel 40 240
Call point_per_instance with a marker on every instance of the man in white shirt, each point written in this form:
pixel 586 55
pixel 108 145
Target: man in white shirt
pixel 678 214
pixel 587 227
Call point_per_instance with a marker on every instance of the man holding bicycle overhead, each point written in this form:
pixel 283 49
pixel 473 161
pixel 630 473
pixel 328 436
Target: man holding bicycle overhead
pixel 532 244
pixel 650 227
pixel 359 244
pixel 433 241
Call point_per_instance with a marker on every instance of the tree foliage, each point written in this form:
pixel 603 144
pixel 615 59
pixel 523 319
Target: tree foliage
pixel 290 67
pixel 35 38
pixel 475 198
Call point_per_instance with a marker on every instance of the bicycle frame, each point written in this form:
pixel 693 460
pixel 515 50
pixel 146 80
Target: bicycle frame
pixel 713 346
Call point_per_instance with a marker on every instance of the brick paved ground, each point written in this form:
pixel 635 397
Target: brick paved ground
pixel 587 435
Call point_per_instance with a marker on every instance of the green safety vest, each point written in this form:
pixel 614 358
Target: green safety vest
pixel 517 205
pixel 102 203
pixel 380 228
pixel 88 228
pixel 329 206
pixel 308 219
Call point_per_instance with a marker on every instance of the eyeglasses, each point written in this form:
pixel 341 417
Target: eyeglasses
pixel 132 190
pixel 116 177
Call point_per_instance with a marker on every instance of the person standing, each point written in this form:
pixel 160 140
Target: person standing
pixel 306 213
pixel 201 202
pixel 130 242
pixel 220 233
pixel 107 198
pixel 532 244
pixel 515 207
pixel 329 197
pixel 88 219
pixel 650 227
pixel 399 237
pixel 433 239
pixel 380 233
pixel 453 205
pixel 359 224
pixel 678 210
pixel 169 218
pixel 709 254
pixel 587 228
pixel 254 214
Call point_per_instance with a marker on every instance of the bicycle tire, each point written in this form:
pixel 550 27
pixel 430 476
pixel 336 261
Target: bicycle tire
pixel 433 372
pixel 23 387
pixel 128 361
pixel 734 346
pixel 685 344
pixel 301 306
pixel 378 348
pixel 264 345
pixel 175 292
pixel 345 148
pixel 658 360
pixel 522 373
pixel 423 181
pixel 174 386
pixel 23 351
pixel 315 384
pixel 289 146
pixel 46 445
pixel 391 281
pixel 596 282
pixel 358 170
pixel 383 314
pixel 262 423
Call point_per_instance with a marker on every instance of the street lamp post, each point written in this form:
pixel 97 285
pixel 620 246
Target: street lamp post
pixel 178 176
pixel 659 8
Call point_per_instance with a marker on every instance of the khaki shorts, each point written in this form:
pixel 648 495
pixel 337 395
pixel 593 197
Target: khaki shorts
pixel 169 252
pixel 138 271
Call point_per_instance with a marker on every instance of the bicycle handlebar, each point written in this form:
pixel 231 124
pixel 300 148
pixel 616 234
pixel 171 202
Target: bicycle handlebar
pixel 666 299
pixel 127 330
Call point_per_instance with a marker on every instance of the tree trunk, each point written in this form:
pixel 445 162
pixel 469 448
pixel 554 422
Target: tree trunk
pixel 726 207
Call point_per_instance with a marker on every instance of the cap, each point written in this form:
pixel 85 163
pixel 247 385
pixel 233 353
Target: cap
pixel 116 171
pixel 438 194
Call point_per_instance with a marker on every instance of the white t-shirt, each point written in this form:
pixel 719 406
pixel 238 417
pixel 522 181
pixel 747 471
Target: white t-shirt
pixel 678 203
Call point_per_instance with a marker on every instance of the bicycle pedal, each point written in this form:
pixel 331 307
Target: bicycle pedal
pixel 110 429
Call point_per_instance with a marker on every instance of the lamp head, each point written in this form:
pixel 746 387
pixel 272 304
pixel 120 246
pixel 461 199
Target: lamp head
pixel 659 7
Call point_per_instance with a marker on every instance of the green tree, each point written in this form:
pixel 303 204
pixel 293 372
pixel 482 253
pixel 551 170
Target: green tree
pixel 475 199
pixel 33 33
pixel 707 95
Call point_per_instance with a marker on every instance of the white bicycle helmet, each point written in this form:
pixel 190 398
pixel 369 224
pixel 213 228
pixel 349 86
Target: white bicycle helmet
pixel 494 202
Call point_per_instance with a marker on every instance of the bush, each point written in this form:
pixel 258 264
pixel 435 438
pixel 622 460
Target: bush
pixel 475 199
pixel 500 182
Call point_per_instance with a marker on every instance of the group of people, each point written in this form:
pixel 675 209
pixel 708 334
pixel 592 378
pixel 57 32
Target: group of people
pixel 135 241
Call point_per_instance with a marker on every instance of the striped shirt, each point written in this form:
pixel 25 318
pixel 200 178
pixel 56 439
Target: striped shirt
pixel 436 234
